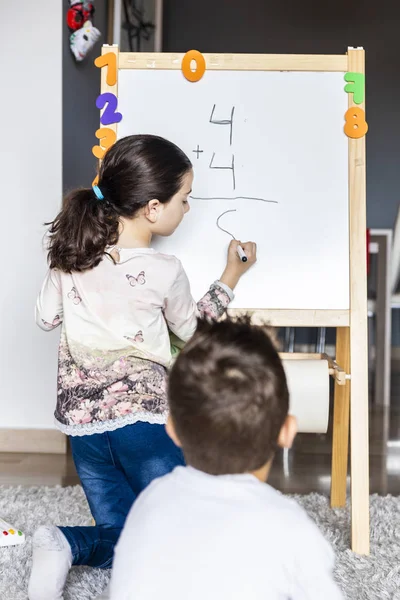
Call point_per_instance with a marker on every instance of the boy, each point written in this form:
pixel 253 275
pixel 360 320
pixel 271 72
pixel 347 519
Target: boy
pixel 215 530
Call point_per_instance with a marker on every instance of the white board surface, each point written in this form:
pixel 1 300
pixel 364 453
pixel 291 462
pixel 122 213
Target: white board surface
pixel 288 149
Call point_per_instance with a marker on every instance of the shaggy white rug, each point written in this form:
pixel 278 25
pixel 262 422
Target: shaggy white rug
pixel 376 577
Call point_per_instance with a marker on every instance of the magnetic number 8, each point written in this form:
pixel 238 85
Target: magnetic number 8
pixel 356 126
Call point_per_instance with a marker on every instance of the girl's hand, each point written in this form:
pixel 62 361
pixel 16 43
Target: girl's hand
pixel 235 267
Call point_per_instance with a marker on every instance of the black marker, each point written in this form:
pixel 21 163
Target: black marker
pixel 242 254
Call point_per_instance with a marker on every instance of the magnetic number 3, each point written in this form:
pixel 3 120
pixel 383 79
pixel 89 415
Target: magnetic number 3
pixel 107 138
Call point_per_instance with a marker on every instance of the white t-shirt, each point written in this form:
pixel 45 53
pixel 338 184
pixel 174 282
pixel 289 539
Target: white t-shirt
pixel 194 536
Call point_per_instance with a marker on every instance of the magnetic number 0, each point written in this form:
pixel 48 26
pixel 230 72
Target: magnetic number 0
pixel 356 126
pixel 199 59
pixel 107 138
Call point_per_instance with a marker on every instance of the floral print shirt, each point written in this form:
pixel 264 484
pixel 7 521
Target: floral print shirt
pixel 115 347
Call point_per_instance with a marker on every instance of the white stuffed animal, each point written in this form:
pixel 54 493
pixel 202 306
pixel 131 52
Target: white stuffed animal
pixel 83 40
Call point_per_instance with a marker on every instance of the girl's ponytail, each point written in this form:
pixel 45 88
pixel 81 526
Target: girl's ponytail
pixel 81 232
pixel 135 170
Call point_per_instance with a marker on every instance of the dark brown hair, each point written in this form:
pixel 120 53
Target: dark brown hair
pixel 228 397
pixel 135 170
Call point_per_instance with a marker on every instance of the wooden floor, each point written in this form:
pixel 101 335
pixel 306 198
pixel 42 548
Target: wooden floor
pixel 304 469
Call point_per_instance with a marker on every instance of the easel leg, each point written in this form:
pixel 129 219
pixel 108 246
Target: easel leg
pixel 359 441
pixel 358 332
pixel 383 324
pixel 341 414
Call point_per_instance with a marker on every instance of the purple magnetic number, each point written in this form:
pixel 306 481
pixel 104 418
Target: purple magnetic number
pixel 110 115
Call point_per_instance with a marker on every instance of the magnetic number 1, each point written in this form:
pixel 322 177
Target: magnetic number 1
pixel 108 60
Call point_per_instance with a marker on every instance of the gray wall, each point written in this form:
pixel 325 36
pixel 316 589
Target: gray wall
pixel 309 26
pixel 81 86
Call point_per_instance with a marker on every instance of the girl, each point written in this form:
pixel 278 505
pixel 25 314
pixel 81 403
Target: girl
pixel 116 299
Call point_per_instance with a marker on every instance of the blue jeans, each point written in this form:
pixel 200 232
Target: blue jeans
pixel 114 467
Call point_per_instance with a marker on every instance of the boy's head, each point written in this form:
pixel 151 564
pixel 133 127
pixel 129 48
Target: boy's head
pixel 229 399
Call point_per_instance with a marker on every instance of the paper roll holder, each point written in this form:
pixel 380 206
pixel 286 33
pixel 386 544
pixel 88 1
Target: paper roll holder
pixel 335 370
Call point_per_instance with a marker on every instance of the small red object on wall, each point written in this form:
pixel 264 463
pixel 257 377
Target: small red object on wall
pixel 78 14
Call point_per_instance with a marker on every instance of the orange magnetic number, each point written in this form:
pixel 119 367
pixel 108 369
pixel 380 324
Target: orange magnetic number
pixel 199 59
pixel 356 126
pixel 108 60
pixel 107 138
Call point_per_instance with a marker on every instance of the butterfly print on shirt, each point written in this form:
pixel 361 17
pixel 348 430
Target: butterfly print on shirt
pixel 137 339
pixel 139 280
pixel 74 296
pixel 56 321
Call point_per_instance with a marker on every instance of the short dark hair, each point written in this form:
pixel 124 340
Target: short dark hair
pixel 136 169
pixel 228 397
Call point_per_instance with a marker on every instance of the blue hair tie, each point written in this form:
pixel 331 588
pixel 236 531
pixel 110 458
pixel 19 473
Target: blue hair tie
pixel 98 193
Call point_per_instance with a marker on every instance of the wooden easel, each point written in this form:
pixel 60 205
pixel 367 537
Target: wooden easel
pixel 350 367
pixel 352 353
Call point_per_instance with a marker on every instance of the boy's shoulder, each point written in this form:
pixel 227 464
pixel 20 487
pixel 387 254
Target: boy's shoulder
pixel 298 528
pixel 287 510
pixel 266 501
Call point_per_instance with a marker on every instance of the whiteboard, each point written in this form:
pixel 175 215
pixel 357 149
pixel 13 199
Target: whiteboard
pixel 269 145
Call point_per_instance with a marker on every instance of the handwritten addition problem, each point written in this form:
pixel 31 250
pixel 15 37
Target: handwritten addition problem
pixel 231 166
pixel 228 122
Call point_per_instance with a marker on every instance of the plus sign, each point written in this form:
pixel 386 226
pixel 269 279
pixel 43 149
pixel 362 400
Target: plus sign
pixel 198 151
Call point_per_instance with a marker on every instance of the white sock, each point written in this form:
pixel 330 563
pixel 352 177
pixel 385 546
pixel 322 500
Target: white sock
pixel 106 594
pixel 52 560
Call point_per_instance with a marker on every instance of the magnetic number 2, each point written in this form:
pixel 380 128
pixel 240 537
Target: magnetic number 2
pixel 110 114
pixel 108 60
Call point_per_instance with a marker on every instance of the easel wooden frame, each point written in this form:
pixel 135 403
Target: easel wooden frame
pixel 351 324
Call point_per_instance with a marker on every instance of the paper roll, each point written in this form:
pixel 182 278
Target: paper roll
pixel 308 383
